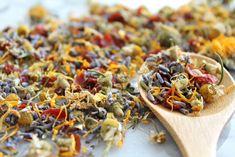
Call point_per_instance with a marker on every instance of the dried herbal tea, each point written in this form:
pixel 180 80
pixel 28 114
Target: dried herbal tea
pixel 206 28
pixel 66 81
pixel 63 81
pixel 173 80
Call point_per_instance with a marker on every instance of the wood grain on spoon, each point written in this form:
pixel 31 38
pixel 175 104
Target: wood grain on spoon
pixel 198 136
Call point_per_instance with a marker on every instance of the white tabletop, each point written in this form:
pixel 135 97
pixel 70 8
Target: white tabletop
pixel 137 143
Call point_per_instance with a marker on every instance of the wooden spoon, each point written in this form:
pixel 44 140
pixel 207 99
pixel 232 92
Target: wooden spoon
pixel 198 136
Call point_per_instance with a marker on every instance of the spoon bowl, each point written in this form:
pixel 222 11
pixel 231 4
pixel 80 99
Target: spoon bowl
pixel 198 135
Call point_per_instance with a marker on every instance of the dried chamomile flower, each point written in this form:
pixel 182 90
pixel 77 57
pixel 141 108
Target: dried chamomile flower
pixel 158 137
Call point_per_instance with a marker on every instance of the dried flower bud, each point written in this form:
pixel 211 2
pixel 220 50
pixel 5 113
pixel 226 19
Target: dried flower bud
pixel 62 82
pixel 26 117
pixel 23 30
pixel 90 123
pixel 117 109
pixel 37 12
pixel 159 137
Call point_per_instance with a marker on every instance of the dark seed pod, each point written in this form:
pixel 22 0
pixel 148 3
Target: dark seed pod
pixel 126 106
pixel 164 74
pixel 159 77
pixel 7 89
pixel 163 68
pixel 173 64
pixel 4 84
pixel 168 84
pixel 127 61
pixel 45 126
pixel 35 115
pixel 13 118
pixel 177 68
pixel 151 59
pixel 180 103
pixel 73 53
pixel 145 79
pixel 184 111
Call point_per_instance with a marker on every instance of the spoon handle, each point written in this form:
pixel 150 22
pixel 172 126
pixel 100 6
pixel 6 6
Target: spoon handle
pixel 199 151
pixel 198 136
pixel 194 136
pixel 197 139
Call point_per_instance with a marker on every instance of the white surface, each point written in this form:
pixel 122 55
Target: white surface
pixel 137 142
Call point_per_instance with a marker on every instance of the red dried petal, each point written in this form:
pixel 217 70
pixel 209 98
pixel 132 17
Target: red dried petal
pixel 48 81
pixel 140 10
pixel 116 17
pixel 207 78
pixel 117 40
pixel 77 142
pixel 8 68
pixel 4 46
pixel 155 18
pixel 24 78
pixel 40 30
pixel 22 106
pixel 188 16
pixel 55 112
pixel 80 79
pixel 98 41
pixel 96 89
pixel 203 78
pixel 108 38
pixel 114 79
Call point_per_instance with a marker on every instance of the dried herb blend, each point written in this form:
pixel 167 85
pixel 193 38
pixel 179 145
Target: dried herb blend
pixel 72 80
pixel 176 82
